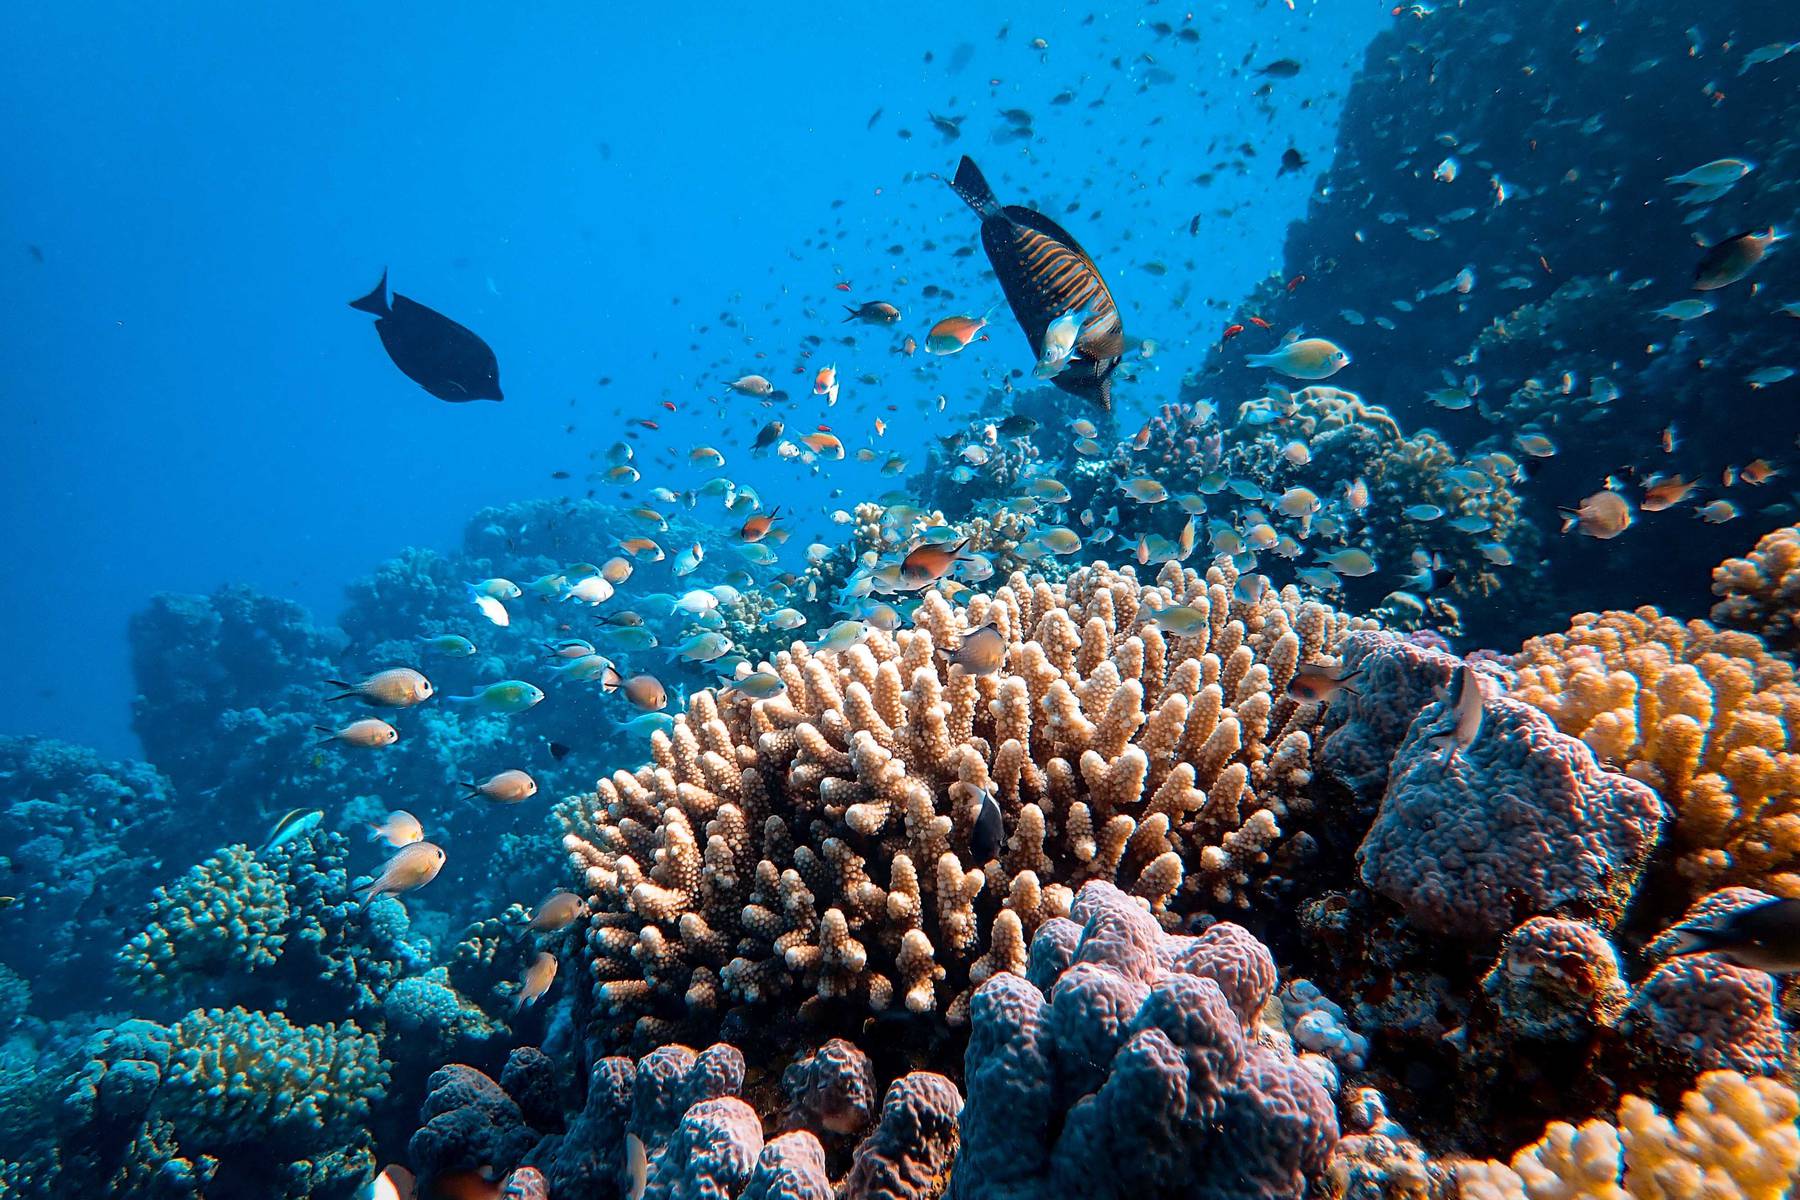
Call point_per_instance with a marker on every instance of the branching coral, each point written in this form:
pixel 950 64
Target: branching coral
pixel 814 842
pixel 1734 1139
pixel 1761 593
pixel 1704 716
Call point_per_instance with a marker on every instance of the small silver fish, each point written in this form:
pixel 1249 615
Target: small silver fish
pixel 1464 700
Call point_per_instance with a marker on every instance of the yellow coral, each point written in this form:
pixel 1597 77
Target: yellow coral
pixel 1734 1139
pixel 1761 593
pixel 1702 715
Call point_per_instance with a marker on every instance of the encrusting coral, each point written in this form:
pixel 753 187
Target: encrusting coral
pixel 1705 716
pixel 1522 822
pixel 815 842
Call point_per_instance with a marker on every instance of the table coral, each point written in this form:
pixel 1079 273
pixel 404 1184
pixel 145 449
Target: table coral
pixel 1761 593
pixel 1520 823
pixel 812 844
pixel 1734 1139
pixel 1704 716
pixel 1146 1041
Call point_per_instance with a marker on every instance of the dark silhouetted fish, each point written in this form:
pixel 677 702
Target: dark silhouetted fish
pixel 989 831
pixel 1046 274
pixel 444 358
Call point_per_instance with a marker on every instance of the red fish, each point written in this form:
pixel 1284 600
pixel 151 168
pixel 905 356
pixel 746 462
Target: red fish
pixel 1231 331
pixel 646 424
pixel 1259 322
pixel 669 404
pixel 1295 282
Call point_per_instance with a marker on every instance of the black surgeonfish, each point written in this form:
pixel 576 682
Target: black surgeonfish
pixel 1046 274
pixel 444 358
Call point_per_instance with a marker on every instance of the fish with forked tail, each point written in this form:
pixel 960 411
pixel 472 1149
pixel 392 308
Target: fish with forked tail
pixel 1047 275
pixel 1763 937
pixel 446 359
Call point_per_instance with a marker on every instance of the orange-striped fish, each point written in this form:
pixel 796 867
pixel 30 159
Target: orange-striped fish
pixel 1046 274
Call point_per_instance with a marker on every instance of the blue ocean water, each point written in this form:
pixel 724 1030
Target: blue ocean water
pixel 801 737
pixel 193 405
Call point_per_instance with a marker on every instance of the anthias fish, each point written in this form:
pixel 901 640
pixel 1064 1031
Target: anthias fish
pixel 446 359
pixel 1046 274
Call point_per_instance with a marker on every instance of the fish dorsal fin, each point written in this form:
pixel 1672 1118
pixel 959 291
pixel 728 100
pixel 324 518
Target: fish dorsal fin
pixel 1032 219
pixel 1291 336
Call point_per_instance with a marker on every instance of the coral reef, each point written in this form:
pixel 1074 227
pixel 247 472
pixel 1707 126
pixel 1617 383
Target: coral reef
pixel 224 1102
pixel 1761 593
pixel 1704 716
pixel 1138 1049
pixel 1513 289
pixel 700 1134
pixel 278 927
pixel 70 853
pixel 1733 1138
pixel 811 845
pixel 1523 822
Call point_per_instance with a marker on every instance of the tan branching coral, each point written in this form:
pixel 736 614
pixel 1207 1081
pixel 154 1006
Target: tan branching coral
pixel 1702 715
pixel 1761 593
pixel 1734 1139
pixel 818 842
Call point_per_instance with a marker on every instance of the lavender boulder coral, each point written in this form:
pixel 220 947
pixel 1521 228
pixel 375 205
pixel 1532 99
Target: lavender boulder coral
pixel 1147 1041
pixel 1521 823
pixel 1395 679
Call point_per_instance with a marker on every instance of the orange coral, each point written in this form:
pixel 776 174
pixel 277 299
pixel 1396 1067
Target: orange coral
pixel 1734 1139
pixel 1701 714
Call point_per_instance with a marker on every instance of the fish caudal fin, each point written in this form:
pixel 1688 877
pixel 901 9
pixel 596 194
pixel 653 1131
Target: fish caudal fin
pixel 972 186
pixel 376 301
pixel 1693 939
pixel 1570 518
pixel 348 691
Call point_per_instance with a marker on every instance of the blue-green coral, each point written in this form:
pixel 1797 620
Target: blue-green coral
pixel 250 1098
pixel 227 914
pixel 268 920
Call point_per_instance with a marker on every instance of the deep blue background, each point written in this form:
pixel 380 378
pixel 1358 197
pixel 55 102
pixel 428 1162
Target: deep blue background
pixel 187 400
